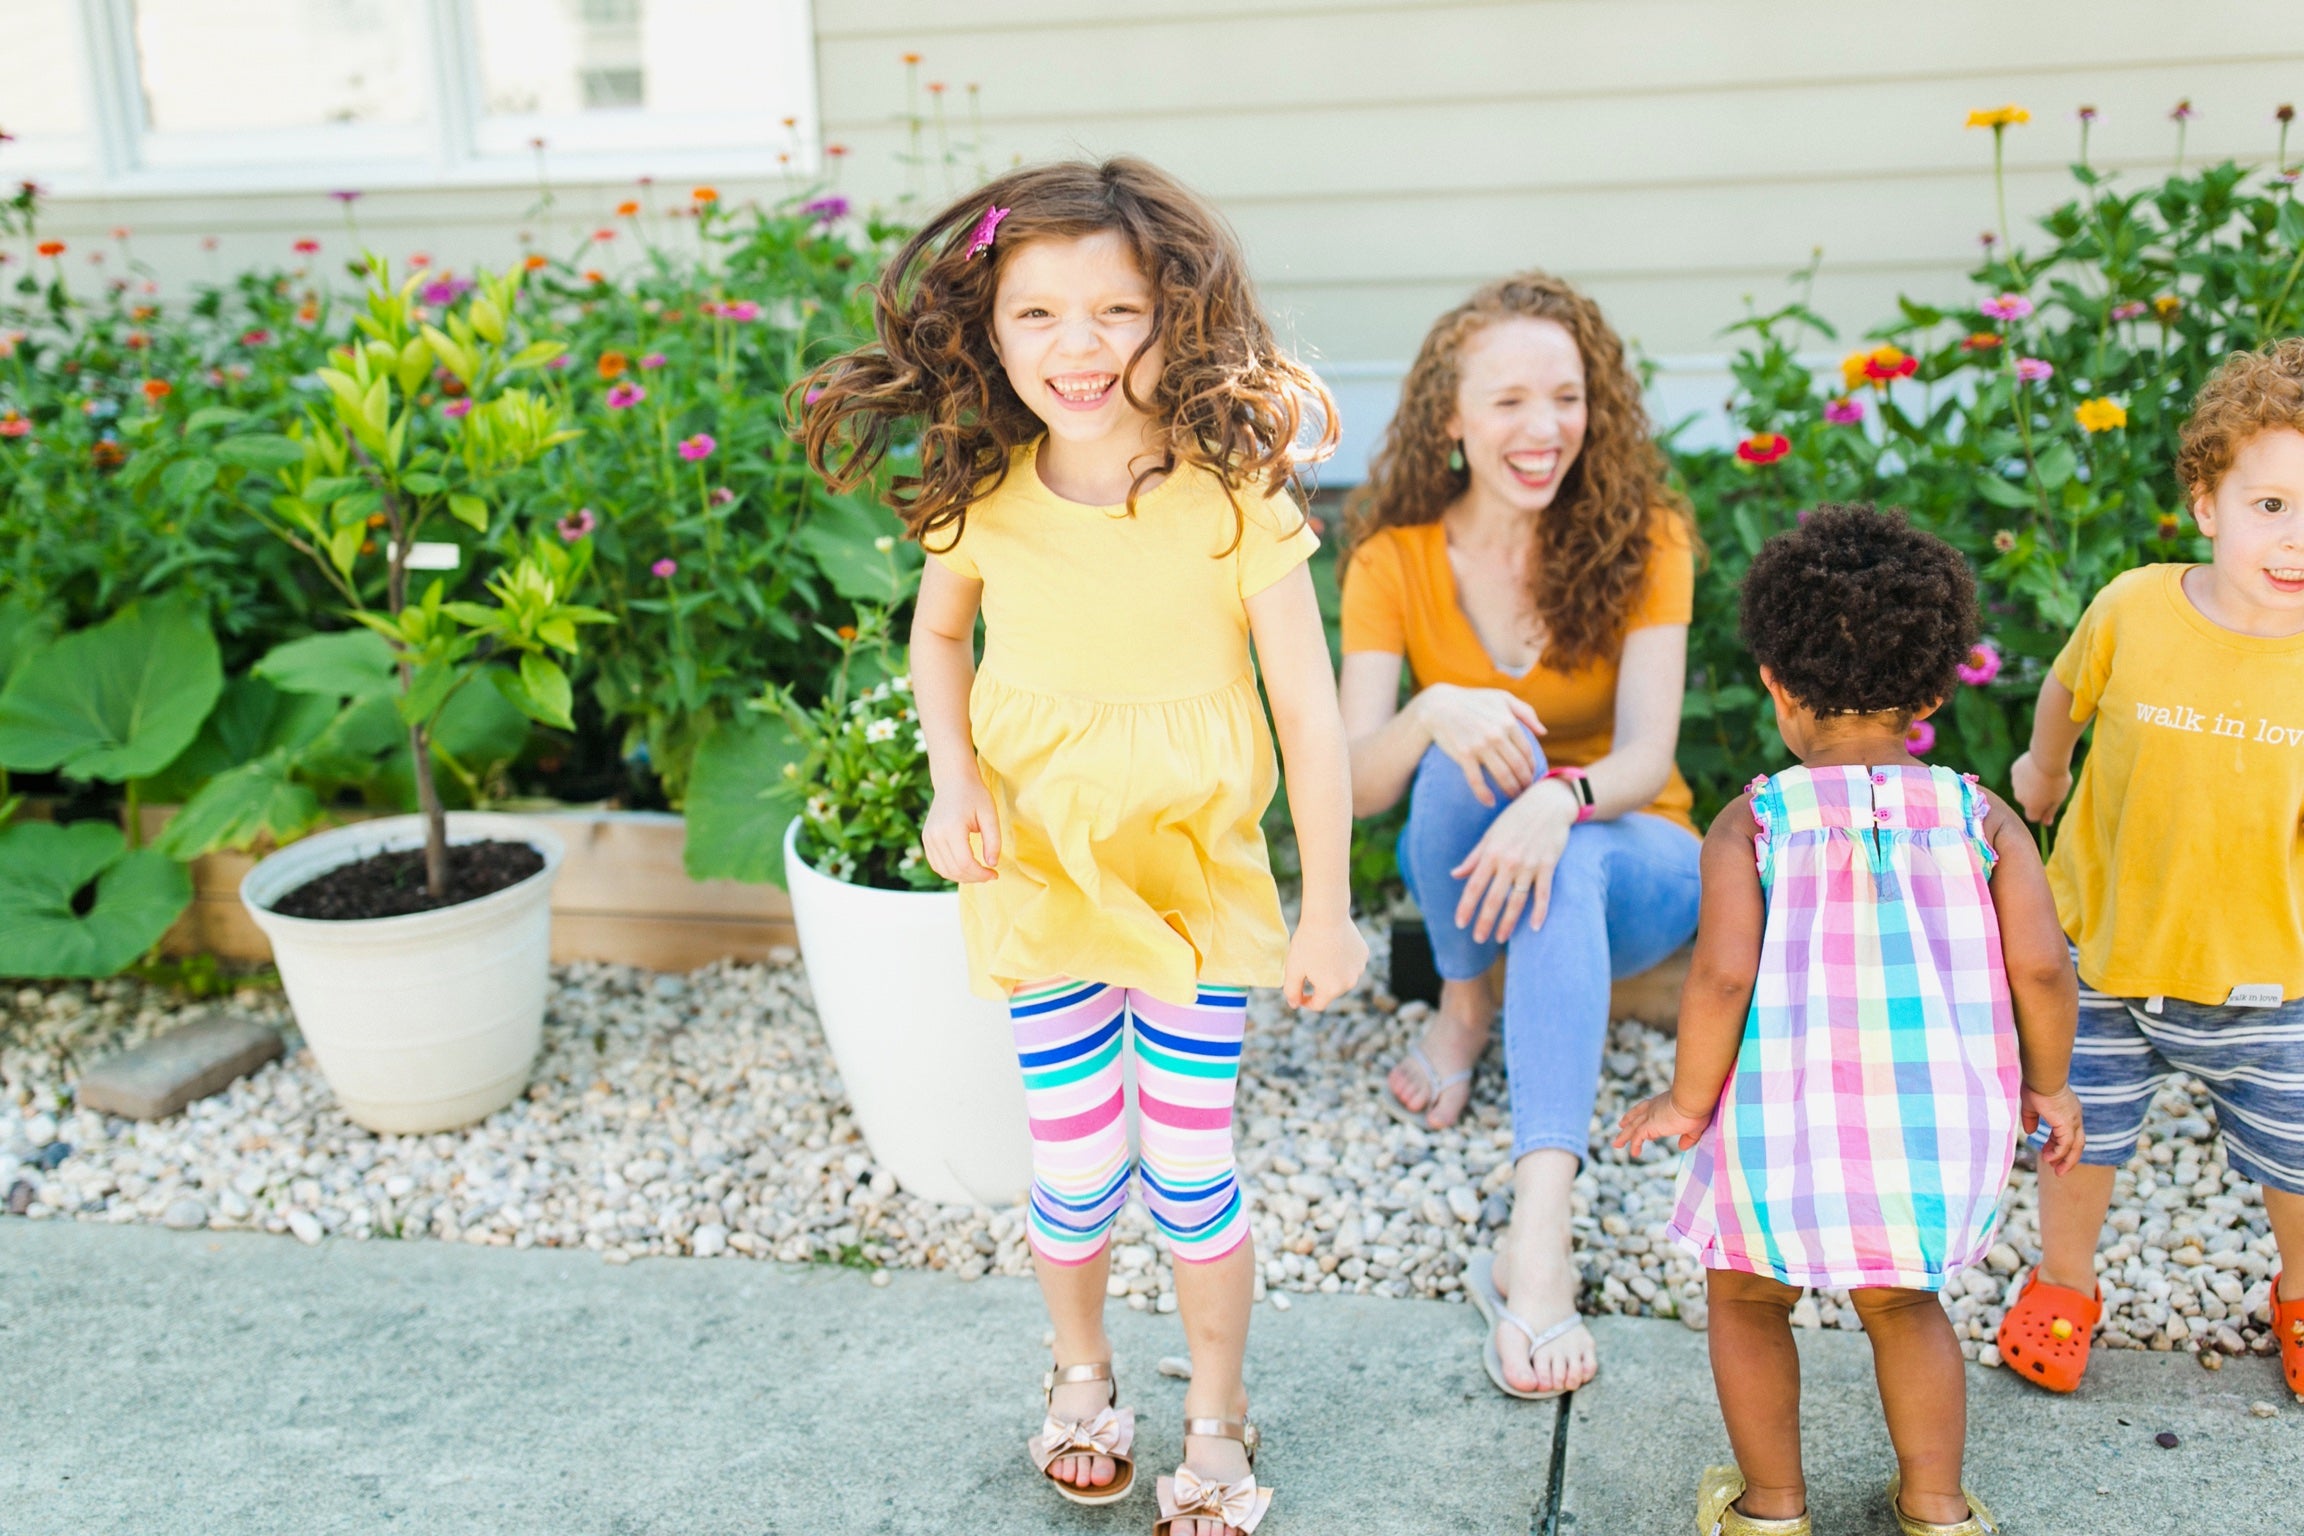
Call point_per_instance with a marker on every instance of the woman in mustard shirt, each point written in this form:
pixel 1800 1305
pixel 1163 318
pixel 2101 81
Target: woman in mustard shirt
pixel 1517 550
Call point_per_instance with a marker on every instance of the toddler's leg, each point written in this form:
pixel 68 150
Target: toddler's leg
pixel 1068 1040
pixel 2286 1211
pixel 1187 1071
pixel 1756 1371
pixel 1924 1392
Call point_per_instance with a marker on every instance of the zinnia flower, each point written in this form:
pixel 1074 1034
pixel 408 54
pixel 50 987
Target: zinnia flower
pixel 458 409
pixel 826 210
pixel 664 568
pixel 577 524
pixel 2004 540
pixel 532 262
pixel 50 248
pixel 1920 738
pixel 255 338
pixel 652 360
pixel 1998 117
pixel 157 390
pixel 13 424
pixel 1982 665
pixel 698 447
pixel 1877 367
pixel 625 395
pixel 2033 370
pixel 2167 307
pixel 2008 306
pixel 706 195
pixel 1763 448
pixel 306 247
pixel 1981 341
pixel 742 311
pixel 2184 111
pixel 721 496
pixel 627 208
pixel 2169 527
pixel 2129 310
pixel 2101 414
pixel 603 235
pixel 612 364
pixel 1844 412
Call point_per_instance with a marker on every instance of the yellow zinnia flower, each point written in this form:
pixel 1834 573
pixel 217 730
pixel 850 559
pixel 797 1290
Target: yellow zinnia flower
pixel 2101 414
pixel 1998 117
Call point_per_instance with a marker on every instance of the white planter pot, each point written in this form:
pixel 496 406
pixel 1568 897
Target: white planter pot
pixel 424 1022
pixel 930 1067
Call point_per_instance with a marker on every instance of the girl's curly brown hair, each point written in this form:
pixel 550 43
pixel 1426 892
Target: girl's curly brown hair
pixel 1592 543
pixel 1227 399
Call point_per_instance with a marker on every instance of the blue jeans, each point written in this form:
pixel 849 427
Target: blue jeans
pixel 1623 898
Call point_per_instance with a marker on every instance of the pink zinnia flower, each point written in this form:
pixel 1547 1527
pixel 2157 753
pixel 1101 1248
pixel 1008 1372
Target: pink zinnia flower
pixel 1920 738
pixel 2130 310
pixel 577 524
pixel 2033 370
pixel 560 362
pixel 255 338
pixel 625 395
pixel 306 247
pixel 2008 306
pixel 743 311
pixel 1982 665
pixel 812 397
pixel 653 360
pixel 1843 412
pixel 664 568
pixel 457 409
pixel 721 495
pixel 698 447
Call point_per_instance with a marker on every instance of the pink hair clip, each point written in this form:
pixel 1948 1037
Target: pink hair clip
pixel 986 228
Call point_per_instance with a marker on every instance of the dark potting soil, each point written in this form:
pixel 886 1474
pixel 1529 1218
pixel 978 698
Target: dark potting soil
pixel 392 884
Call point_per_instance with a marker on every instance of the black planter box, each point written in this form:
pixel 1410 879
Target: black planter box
pixel 1414 977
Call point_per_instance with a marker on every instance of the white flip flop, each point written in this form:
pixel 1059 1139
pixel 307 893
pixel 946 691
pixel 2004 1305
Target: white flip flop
pixel 1480 1280
pixel 1440 1085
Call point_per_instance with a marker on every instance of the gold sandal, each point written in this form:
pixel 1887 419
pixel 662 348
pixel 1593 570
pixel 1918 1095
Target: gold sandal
pixel 1188 1496
pixel 1110 1432
pixel 1717 1515
pixel 1980 1521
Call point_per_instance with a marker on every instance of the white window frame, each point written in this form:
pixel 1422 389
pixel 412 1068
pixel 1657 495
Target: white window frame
pixel 733 144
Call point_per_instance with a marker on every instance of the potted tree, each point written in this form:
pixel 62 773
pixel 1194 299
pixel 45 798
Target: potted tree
pixel 414 949
pixel 839 788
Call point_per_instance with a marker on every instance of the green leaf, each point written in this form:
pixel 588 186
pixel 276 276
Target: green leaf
pixel 260 798
pixel 424 482
pixel 213 416
pixel 481 728
pixel 45 867
pixel 2057 464
pixel 536 354
pixel 540 690
pixel 839 536
pixel 2004 493
pixel 251 719
pixel 425 694
pixel 115 702
pixel 261 450
pixel 344 547
pixel 739 802
pixel 24 629
pixel 350 664
pixel 187 478
pixel 469 510
pixel 326 488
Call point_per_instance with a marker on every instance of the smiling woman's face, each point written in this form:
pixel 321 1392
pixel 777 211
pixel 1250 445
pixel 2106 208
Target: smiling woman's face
pixel 1068 316
pixel 1521 409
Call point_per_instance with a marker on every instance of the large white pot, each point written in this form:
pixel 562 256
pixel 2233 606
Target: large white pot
pixel 930 1067
pixel 424 1022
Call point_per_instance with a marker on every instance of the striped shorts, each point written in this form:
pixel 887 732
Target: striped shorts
pixel 2252 1060
pixel 1070 1037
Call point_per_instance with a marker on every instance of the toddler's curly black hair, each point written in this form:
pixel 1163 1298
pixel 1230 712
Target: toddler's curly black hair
pixel 1857 612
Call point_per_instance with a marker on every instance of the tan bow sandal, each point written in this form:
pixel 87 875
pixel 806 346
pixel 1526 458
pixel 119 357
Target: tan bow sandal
pixel 1111 1431
pixel 1189 1496
pixel 1980 1521
pixel 1717 1515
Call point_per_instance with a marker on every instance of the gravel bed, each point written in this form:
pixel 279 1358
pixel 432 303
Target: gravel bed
pixel 701 1115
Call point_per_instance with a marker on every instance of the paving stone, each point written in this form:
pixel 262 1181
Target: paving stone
pixel 169 1071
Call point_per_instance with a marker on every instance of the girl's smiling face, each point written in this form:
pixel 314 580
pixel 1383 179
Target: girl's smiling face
pixel 1520 409
pixel 1068 316
pixel 2256 518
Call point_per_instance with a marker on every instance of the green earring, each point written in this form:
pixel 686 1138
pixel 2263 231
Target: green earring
pixel 1456 458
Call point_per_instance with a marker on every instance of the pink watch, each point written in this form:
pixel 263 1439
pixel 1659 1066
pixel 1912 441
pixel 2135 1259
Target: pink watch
pixel 1580 785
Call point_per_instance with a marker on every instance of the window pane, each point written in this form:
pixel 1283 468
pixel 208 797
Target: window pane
pixel 212 66
pixel 557 63
pixel 43 93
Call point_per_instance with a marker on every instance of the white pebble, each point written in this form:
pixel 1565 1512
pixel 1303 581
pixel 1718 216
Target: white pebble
pixel 1178 1366
pixel 306 1226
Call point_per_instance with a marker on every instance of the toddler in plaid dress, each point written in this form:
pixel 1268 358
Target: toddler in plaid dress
pixel 1880 996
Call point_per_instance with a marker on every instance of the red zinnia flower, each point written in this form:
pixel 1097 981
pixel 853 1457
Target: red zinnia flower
pixel 306 247
pixel 157 390
pixel 50 248
pixel 1763 448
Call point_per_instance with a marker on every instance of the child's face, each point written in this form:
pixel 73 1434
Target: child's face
pixel 1520 409
pixel 2256 518
pixel 1068 316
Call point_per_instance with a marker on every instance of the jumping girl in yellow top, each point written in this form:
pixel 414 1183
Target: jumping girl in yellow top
pixel 1107 447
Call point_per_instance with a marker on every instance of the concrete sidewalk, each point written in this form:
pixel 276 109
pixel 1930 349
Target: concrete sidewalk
pixel 232 1384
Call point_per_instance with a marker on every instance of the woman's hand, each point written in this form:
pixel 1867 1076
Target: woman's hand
pixel 1510 869
pixel 1659 1119
pixel 1479 729
pixel 2060 1112
pixel 1325 958
pixel 957 810
pixel 2037 790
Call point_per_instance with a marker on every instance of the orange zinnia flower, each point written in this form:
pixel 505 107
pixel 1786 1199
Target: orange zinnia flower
pixel 535 263
pixel 613 364
pixel 595 276
pixel 308 312
pixel 1981 341
pixel 50 248
pixel 706 194
pixel 846 631
pixel 156 390
pixel 627 208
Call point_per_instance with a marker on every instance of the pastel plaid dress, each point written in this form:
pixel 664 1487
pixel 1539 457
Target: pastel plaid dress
pixel 1866 1133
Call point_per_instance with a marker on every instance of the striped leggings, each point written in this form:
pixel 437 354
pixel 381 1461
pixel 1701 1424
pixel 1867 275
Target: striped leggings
pixel 1069 1036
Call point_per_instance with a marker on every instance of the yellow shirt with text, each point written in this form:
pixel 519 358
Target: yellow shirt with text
pixel 2179 865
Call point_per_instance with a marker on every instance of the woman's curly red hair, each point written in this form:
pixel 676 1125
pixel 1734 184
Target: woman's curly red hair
pixel 1592 543
pixel 1227 399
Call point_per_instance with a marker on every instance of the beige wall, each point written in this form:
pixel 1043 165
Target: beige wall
pixel 1381 157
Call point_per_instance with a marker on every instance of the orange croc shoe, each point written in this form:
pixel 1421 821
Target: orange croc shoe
pixel 2288 1328
pixel 2044 1337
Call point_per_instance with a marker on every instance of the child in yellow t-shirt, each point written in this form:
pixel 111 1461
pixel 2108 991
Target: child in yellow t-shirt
pixel 2179 869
